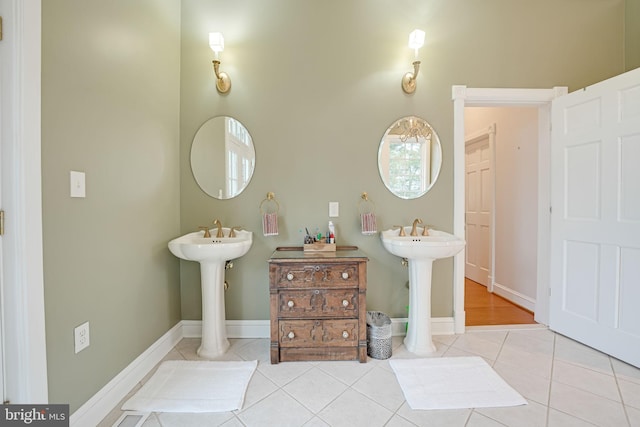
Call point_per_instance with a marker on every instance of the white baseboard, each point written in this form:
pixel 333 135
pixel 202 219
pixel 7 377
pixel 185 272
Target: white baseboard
pixel 261 328
pixel 515 297
pixel 439 326
pixel 235 328
pixel 103 402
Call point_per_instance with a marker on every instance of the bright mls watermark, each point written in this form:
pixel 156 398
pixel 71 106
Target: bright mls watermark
pixel 34 415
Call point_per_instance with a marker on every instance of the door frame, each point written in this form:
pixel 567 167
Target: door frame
pixel 489 133
pixel 462 97
pixel 23 278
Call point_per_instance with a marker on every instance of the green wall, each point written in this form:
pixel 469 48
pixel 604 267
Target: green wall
pixel 318 83
pixel 126 84
pixel 632 34
pixel 110 99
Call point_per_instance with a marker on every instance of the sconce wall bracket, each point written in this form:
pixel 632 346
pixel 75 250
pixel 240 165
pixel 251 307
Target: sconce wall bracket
pixel 223 81
pixel 409 79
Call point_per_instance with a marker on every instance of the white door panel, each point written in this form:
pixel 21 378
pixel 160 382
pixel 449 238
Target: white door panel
pixel 479 205
pixel 595 225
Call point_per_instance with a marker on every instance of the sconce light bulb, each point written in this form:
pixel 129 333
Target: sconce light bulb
pixel 416 40
pixel 216 42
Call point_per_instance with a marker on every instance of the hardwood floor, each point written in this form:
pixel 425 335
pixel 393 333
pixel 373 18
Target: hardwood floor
pixel 484 308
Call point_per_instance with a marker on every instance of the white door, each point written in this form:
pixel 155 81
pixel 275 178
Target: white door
pixel 595 222
pixel 479 205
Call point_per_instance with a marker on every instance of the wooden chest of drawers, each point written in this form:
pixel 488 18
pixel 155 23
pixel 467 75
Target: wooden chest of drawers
pixel 318 305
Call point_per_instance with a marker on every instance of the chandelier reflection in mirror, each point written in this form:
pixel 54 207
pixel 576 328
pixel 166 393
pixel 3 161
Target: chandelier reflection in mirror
pixel 409 157
pixel 413 128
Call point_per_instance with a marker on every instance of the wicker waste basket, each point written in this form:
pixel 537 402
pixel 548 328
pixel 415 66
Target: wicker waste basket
pixel 378 335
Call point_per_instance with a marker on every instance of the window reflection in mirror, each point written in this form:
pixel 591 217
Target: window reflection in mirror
pixel 409 157
pixel 222 157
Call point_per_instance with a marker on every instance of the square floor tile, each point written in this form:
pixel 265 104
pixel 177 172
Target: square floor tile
pixel 353 409
pixel 278 409
pixel 382 387
pixel 532 414
pixel 586 406
pixel 347 372
pixel 585 379
pixel 315 389
pixel 573 352
pixel 444 417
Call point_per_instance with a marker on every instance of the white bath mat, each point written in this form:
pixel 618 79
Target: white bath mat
pixel 453 383
pixel 194 386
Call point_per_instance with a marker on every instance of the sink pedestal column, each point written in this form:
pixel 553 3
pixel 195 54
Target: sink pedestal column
pixel 214 332
pixel 418 339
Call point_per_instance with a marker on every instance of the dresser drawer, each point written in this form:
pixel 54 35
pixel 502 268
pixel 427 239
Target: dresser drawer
pixel 318 303
pixel 317 275
pixel 318 333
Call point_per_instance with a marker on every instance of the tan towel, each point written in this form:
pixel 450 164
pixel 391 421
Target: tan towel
pixel 270 224
pixel 368 221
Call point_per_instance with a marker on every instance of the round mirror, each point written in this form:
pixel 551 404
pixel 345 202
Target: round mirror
pixel 222 157
pixel 409 157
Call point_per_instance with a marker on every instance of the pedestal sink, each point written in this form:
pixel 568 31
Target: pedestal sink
pixel 421 251
pixel 212 253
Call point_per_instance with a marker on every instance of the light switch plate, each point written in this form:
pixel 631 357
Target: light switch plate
pixel 334 209
pixel 77 188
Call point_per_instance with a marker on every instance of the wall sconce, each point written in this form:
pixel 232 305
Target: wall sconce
pixel 223 81
pixel 416 40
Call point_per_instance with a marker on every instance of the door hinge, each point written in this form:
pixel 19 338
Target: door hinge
pixel 1 223
pixel 0 27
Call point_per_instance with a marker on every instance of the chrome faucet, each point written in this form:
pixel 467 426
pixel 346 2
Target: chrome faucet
pixel 415 223
pixel 219 224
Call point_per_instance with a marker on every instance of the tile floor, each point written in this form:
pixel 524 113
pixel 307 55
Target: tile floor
pixel 566 384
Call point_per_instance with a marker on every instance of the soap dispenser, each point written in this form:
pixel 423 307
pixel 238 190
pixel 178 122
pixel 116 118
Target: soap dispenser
pixel 331 236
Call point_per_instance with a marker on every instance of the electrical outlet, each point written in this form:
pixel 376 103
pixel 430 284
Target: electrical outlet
pixel 81 334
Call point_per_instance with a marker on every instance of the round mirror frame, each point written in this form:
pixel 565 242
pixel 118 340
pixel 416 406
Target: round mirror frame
pixel 222 157
pixel 408 142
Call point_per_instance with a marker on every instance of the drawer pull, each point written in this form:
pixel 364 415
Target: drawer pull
pixel 289 276
pixel 345 334
pixel 345 275
pixel 290 304
pixel 291 335
pixel 345 303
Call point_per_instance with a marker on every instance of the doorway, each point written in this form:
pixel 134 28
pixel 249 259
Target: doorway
pixel 501 185
pixel 540 99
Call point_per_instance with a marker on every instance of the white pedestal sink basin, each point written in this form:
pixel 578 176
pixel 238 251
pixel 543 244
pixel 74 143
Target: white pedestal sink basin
pixel 421 251
pixel 212 253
